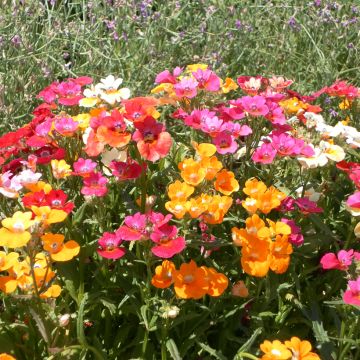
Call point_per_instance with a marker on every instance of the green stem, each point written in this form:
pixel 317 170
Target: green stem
pixel 245 355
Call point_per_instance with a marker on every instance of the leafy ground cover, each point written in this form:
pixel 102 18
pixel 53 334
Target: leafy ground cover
pixel 197 204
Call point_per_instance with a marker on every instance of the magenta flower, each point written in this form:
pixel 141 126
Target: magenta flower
pixel 353 201
pixel 236 130
pixel 225 143
pixel 207 80
pixel 168 244
pixel 66 126
pixel 295 238
pixel 186 88
pixel 307 206
pixel 352 295
pixel 165 77
pixel 83 167
pixel 69 93
pixel 265 154
pixel 275 114
pixel 341 261
pixel 95 184
pixel 109 246
pixel 231 113
pixel 254 105
pixel 287 205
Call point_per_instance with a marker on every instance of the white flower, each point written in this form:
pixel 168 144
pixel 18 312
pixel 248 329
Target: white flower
pixel 108 156
pixel 313 119
pixel 331 151
pixel 311 194
pixel 170 312
pixel 317 160
pixel 28 177
pixel 109 83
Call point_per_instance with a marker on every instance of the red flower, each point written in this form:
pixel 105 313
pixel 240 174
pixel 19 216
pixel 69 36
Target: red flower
pixel 47 153
pixel 153 142
pixel 126 170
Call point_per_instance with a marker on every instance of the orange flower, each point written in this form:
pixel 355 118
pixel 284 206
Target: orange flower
pixel 8 284
pixel 228 85
pixel 5 356
pixel 192 172
pixel 212 166
pixel 40 185
pixel 196 207
pixel 52 292
pixel 58 250
pixel 14 234
pixel 191 282
pixel 240 290
pixel 226 182
pixel 255 258
pixel 253 188
pixel 163 277
pixel 301 349
pixel 217 282
pixel 217 208
pixel 267 201
pixel 280 254
pixel 292 106
pixel 180 191
pixel 177 208
pixel 47 216
pixel 250 205
pixel 276 228
pixel 275 350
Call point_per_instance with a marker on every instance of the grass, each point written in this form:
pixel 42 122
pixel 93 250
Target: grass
pixel 44 41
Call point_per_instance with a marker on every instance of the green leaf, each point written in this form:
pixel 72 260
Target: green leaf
pixel 247 345
pixel 218 355
pixel 173 350
pixel 80 321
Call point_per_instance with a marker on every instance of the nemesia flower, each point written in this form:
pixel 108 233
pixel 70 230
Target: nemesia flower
pixel 190 281
pixel 251 85
pixel 168 243
pixel 109 246
pixel 254 105
pixel 47 216
pixel 332 152
pixel 265 154
pixel 341 261
pixel 207 80
pixel 226 183
pixel 58 249
pixel 295 238
pixel 153 142
pixel 7 261
pixel 275 350
pixel 255 258
pixel 307 207
pixel 163 277
pixel 9 185
pixel 27 177
pixel 281 250
pixel 5 356
pixel 192 172
pixel 84 167
pixel 180 191
pixel 309 193
pixel 126 170
pixel 46 153
pixel 225 143
pixel 301 349
pixel 135 228
pixel 228 85
pixel 186 88
pixel 60 169
pixel 239 289
pixel 217 282
pixel 95 184
pixel 66 126
pixel 352 295
pixel 14 231
pixel 109 91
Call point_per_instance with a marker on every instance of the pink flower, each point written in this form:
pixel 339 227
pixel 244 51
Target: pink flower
pixel 275 114
pixel 9 185
pixel 287 205
pixel 135 228
pixel 83 167
pixel 168 78
pixel 255 106
pixel 95 184
pixel 295 238
pixel 66 126
pixel 353 201
pixel 307 206
pixel 265 154
pixel 231 113
pixel 186 88
pixel 207 80
pixel 69 93
pixel 236 130
pixel 109 246
pixel 126 170
pixel 225 143
pixel 153 142
pixel 198 117
pixel 352 295
pixel 168 244
pixel 285 144
pixel 211 125
pixel 341 261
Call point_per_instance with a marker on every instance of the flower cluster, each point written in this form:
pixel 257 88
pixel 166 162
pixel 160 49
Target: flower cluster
pixel 190 281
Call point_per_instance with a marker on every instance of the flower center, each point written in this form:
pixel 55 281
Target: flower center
pixel 18 227
pixel 149 137
pixel 188 279
pixel 276 352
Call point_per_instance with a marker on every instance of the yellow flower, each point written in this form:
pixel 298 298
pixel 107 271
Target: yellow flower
pixel 7 260
pixel 275 350
pixel 228 85
pixel 14 234
pixel 47 216
pixel 58 250
pixel 60 169
pixel 82 119
pixel 194 67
